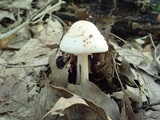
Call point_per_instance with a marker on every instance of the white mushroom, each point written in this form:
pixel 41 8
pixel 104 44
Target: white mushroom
pixel 83 39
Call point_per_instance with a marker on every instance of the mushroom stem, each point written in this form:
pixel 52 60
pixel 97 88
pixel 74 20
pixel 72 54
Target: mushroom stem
pixel 82 68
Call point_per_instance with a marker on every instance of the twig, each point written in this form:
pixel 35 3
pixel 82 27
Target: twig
pixel 14 30
pixel 21 66
pixel 34 17
pixel 155 49
pixel 119 38
pixel 150 35
pixel 115 68
pixel 113 8
pixel 62 22
pixel 52 8
pixel 145 106
pixel 64 29
pixel 38 20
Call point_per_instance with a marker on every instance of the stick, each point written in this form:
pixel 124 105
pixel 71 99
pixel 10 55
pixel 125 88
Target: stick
pixel 119 38
pixel 155 49
pixel 21 66
pixel 34 17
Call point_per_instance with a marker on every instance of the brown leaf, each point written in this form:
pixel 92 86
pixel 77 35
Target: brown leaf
pixel 46 101
pixel 53 46
pixel 49 33
pixel 6 41
pixel 63 91
pixel 76 107
pixel 83 112
pixel 13 95
pixel 64 103
pixel 149 87
pixel 78 13
pixel 32 52
pixel 58 77
pixel 125 69
pixel 131 55
pixel 92 93
pixel 127 111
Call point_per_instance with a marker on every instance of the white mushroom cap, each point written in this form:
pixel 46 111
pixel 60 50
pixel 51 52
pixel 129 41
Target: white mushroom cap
pixel 83 37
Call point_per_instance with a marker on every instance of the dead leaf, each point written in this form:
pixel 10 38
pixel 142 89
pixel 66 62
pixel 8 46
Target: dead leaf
pixel 4 43
pixel 50 33
pixel 78 109
pixel 8 14
pixel 83 112
pixel 150 67
pixel 104 24
pixel 22 37
pixel 92 93
pixel 151 115
pixel 147 51
pixel 59 77
pixel 82 15
pixel 132 55
pixel 33 52
pixel 17 40
pixel 147 26
pixel 13 95
pixel 53 46
pixel 127 111
pixel 134 93
pixel 1 81
pixel 125 69
pixel 47 99
pixel 21 94
pixel 23 5
pixel 150 87
pixel 64 103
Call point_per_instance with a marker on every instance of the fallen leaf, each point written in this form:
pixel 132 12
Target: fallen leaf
pixel 21 38
pixel 151 115
pixel 59 77
pixel 127 111
pixel 1 81
pixel 47 99
pixel 33 53
pixel 131 55
pixel 13 95
pixel 50 33
pixel 77 107
pixel 150 67
pixel 82 15
pixel 134 93
pixel 64 103
pixel 5 13
pixel 83 112
pixel 151 88
pixel 23 5
pixel 91 92
pixel 125 69
pixel 4 43
pixel 20 93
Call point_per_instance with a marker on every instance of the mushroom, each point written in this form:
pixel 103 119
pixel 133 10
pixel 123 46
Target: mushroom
pixel 82 39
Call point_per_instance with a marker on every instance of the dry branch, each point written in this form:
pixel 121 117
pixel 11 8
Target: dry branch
pixel 35 16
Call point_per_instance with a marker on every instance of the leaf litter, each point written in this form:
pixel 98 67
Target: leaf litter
pixel 30 91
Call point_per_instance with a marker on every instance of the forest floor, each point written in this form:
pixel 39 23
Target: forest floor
pixel 36 77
